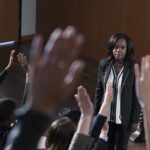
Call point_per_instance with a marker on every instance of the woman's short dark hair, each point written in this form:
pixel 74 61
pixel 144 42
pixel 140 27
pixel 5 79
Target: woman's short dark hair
pixel 60 134
pixel 113 40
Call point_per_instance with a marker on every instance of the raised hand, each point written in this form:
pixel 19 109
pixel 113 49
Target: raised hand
pixel 86 108
pixel 11 60
pixel 22 59
pixel 108 97
pixel 55 70
pixel 84 102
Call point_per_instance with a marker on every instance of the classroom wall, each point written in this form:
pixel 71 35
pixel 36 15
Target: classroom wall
pixel 98 20
pixel 9 11
pixel 28 17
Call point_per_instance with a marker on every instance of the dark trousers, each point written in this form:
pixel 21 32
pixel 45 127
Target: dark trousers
pixel 118 137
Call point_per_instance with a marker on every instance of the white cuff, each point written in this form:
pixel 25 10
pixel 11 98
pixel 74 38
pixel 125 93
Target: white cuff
pixel 103 136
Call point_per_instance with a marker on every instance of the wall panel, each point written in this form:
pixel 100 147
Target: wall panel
pixel 9 11
pixel 97 20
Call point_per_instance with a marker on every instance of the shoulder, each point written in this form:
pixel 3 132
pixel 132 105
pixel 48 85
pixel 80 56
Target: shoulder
pixel 105 62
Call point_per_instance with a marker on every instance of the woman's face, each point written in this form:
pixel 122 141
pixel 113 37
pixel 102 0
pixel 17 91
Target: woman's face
pixel 120 49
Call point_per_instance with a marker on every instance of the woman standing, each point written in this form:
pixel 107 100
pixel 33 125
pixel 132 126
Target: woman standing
pixel 118 69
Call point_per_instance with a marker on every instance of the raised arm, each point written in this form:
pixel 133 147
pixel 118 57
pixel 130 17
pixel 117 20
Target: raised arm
pixel 11 60
pixel 143 92
pixel 100 125
pixel 8 67
pixel 102 115
pixel 22 59
pixel 86 108
pixel 81 139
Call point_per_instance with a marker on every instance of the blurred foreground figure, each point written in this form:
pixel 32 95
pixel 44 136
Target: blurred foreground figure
pixel 4 73
pixel 54 75
pixel 143 92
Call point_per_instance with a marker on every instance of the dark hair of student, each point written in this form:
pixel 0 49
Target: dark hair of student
pixel 72 113
pixel 7 107
pixel 60 134
pixel 113 40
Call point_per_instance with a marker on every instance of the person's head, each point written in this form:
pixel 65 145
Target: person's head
pixel 7 107
pixel 73 114
pixel 120 47
pixel 60 134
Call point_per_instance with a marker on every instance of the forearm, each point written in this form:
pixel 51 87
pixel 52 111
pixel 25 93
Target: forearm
pixel 7 67
pixel 104 110
pixel 84 125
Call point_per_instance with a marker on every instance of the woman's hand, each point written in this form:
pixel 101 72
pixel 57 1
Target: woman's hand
pixel 84 102
pixel 11 60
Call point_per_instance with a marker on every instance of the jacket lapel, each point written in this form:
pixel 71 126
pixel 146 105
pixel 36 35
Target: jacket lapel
pixel 125 74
